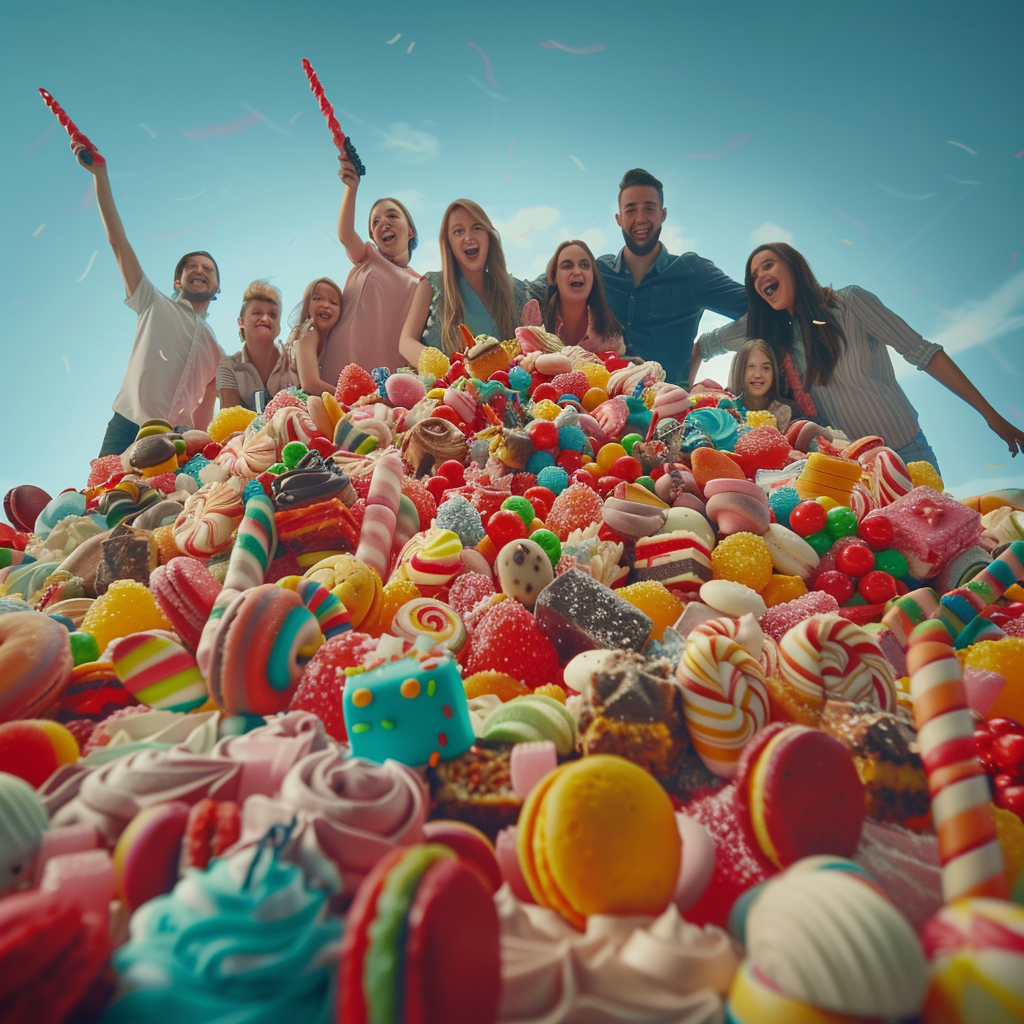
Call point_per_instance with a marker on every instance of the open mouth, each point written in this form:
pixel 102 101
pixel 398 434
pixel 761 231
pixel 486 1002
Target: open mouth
pixel 576 285
pixel 471 253
pixel 390 237
pixel 770 289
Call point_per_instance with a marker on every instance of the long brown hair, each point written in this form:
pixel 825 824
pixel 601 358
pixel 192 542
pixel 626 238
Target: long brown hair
pixel 497 281
pixel 603 318
pixel 738 370
pixel 824 339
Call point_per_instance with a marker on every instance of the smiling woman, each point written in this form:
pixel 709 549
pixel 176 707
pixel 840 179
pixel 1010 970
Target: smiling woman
pixel 312 321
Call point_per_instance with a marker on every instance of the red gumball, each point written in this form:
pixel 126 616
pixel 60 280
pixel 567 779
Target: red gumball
pixel 838 584
pixel 444 412
pixel 323 445
pixel 453 471
pixel 545 390
pixel 505 526
pixel 855 560
pixel 877 587
pixel 1011 798
pixel 211 451
pixel 581 476
pixel 570 461
pixel 607 484
pixel 876 531
pixel 437 485
pixel 541 498
pixel 808 517
pixel 500 377
pixel 544 434
pixel 1004 726
pixel 1008 753
pixel 627 468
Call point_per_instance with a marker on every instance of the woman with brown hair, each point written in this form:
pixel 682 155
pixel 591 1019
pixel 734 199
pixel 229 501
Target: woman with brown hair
pixel 576 310
pixel 754 377
pixel 831 347
pixel 472 288
pixel 262 366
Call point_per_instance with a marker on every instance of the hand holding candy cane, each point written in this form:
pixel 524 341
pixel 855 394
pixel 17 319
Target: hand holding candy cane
pixel 341 140
pixel 83 149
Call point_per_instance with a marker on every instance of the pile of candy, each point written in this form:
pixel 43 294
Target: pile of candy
pixel 523 687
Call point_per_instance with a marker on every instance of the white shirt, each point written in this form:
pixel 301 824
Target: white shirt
pixel 174 358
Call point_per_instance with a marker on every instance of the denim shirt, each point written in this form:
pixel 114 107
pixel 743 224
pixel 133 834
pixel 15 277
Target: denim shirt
pixel 660 315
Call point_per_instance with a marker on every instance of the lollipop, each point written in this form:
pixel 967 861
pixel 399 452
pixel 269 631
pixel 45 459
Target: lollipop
pixel 89 155
pixel 341 140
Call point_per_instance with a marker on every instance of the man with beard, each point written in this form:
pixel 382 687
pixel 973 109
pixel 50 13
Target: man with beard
pixel 173 363
pixel 659 298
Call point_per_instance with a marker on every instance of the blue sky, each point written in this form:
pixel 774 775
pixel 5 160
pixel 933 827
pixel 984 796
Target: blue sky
pixel 883 140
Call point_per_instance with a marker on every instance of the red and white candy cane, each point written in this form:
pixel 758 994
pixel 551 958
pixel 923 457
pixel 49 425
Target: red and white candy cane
pixel 341 140
pixel 972 860
pixel 90 154
pixel 381 517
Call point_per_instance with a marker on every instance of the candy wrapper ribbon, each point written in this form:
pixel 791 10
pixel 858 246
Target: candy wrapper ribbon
pixel 90 154
pixel 341 140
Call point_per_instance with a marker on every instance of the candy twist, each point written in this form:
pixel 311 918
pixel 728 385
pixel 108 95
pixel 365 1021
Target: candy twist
pixel 378 532
pixel 959 607
pixel 343 143
pixel 972 860
pixel 204 526
pixel 827 656
pixel 725 699
pixel 90 154
pixel 330 613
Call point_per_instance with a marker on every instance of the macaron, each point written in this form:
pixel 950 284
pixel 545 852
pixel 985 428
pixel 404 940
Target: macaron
pixel 185 592
pixel 791 555
pixel 599 836
pixel 798 795
pixel 148 853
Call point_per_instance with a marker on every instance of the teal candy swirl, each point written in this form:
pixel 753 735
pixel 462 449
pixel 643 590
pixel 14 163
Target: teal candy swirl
pixel 719 424
pixel 219 950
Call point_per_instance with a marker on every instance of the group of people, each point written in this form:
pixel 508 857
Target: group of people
pixel 803 350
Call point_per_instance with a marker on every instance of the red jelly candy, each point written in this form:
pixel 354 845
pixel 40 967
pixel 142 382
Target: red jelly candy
pixel 504 526
pixel 837 584
pixel 808 517
pixel 877 587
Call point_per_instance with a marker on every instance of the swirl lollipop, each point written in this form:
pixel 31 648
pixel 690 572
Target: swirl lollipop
pixel 89 155
pixel 341 140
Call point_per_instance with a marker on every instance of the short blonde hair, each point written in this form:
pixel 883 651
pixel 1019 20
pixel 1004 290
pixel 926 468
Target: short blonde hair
pixel 265 292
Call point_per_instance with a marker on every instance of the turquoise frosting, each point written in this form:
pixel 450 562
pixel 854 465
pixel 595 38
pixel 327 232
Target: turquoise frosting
pixel 719 424
pixel 224 947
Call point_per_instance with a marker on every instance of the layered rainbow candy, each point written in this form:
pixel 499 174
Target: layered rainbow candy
pixel 959 608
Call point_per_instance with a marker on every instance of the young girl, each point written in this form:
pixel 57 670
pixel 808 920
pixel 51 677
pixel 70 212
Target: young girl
pixel 312 321
pixel 379 288
pixel 754 377
pixel 576 308
pixel 473 288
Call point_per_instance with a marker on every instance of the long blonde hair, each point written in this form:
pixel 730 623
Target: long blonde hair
pixel 497 281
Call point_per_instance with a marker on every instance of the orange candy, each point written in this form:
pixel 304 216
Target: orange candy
pixel 744 558
pixel 395 593
pixel 501 684
pixel 781 589
pixel 709 464
pixel 661 606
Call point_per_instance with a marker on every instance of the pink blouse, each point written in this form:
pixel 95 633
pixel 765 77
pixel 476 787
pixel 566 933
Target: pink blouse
pixel 592 341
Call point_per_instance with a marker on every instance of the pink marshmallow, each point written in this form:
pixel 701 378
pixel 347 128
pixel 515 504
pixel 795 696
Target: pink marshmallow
pixel 530 762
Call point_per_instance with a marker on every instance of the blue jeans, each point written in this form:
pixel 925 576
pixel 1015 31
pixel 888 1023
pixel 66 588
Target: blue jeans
pixel 919 450
pixel 121 432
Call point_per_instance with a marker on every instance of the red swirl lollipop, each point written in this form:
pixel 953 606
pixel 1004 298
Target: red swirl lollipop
pixel 90 154
pixel 341 140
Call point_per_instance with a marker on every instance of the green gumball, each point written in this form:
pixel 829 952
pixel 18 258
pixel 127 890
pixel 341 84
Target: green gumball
pixel 550 543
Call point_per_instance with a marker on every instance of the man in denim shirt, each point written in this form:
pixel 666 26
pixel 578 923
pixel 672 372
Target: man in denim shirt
pixel 659 298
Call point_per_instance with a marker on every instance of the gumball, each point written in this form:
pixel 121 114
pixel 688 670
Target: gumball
pixel 325 447
pixel 500 377
pixel 452 471
pixel 820 541
pixel 891 561
pixel 841 521
pixel 593 398
pixel 550 543
pixel 627 468
pixel 608 455
pixel 445 412
pixel 34 749
pixel 806 519
pixel 877 587
pixel 877 531
pixel 569 460
pixel 542 498
pixel 629 440
pixel 83 648
pixel 837 584
pixel 505 526
pixel 607 484
pixel 855 560
pixel 211 451
pixel 646 481
pixel 583 476
pixel 545 391
pixel 292 452
pixel 544 434
pixel 554 478
pixel 827 503
pixel 437 485
pixel 278 468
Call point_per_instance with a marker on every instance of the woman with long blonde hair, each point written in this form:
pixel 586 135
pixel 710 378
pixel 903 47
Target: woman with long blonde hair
pixel 473 287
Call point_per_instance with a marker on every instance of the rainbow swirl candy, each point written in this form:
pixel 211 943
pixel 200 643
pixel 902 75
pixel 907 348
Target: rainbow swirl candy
pixel 972 860
pixel 209 517
pixel 330 613
pixel 423 616
pixel 159 672
pixel 961 606
pixel 437 562
pixel 827 656
pixel 725 699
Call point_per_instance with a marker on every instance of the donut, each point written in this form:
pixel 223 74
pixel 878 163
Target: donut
pixel 725 699
pixel 35 663
pixel 423 616
pixel 827 656
pixel 261 645
pixel 209 518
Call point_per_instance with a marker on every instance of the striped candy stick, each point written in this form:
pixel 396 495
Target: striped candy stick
pixel 961 606
pixel 381 518
pixel 972 860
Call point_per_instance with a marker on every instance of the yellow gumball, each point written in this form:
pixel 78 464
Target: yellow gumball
pixel 609 455
pixel 593 398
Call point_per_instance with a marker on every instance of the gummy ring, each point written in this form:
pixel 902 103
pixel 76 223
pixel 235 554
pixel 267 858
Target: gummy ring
pixel 424 616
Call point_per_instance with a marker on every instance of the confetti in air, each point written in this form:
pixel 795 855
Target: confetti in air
pixel 553 44
pixel 717 154
pixel 67 365
pixel 852 220
pixel 846 241
pixel 145 127
pixel 988 465
pixel 483 88
pixel 229 128
pixel 1017 156
pixel 1013 262
pixel 508 177
pixel 162 356
pixel 389 42
pixel 910 197
pixel 410 46
pixel 511 146
pixel 39 230
pixel 88 266
pixel 487 64
pixel 294 117
pixel 577 161
pixel 966 149
pixel 185 199
pixel 820 323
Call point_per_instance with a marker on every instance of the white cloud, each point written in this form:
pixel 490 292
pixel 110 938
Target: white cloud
pixel 525 225
pixel 674 238
pixel 595 238
pixel 409 144
pixel 769 232
pixel 409 196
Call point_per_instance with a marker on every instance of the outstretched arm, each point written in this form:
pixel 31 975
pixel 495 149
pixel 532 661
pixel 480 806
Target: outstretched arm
pixel 131 272
pixel 410 346
pixel 355 248
pixel 949 375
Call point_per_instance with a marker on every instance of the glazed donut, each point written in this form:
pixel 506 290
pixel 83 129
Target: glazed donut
pixel 725 699
pixel 209 518
pixel 827 656
pixel 35 663
pixel 423 616
pixel 262 643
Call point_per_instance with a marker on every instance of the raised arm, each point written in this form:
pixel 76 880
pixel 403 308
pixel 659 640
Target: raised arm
pixel 131 272
pixel 410 346
pixel 355 247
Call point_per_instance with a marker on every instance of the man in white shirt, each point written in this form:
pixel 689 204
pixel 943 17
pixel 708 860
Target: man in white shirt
pixel 173 364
